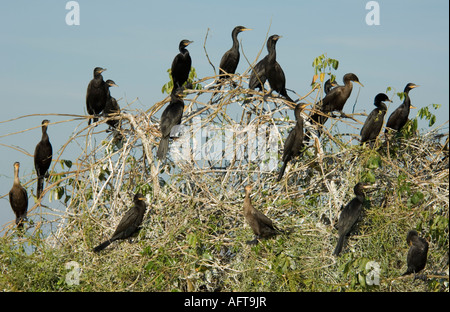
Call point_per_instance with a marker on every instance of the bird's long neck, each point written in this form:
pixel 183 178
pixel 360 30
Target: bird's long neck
pixel 44 133
pixel 348 86
pixel 16 176
pixel 407 101
pixel 247 201
pixel 272 56
pixel 235 46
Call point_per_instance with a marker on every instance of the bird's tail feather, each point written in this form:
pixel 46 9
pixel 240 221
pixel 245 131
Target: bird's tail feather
pixel 102 245
pixel 40 186
pixel 283 168
pixel 339 245
pixel 162 149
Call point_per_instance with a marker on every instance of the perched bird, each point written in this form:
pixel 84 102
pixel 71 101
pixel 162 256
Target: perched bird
pixel 274 72
pixel 399 117
pixel 261 225
pixel 96 95
pixel 294 141
pixel 130 223
pixel 230 59
pixel 417 254
pixel 335 99
pixel 112 107
pixel 181 65
pixel 18 198
pixel 374 121
pixel 350 215
pixel 170 117
pixel 43 154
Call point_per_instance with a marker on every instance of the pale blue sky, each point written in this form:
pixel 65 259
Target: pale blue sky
pixel 46 64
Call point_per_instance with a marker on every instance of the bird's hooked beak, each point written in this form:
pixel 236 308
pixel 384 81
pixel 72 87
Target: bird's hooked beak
pixel 370 187
pixel 113 85
pixel 102 70
pixel 188 43
pixel 359 83
pixel 245 29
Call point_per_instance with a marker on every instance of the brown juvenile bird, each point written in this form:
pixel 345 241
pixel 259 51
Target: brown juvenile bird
pixel 42 158
pixel 417 254
pixel 350 215
pixel 294 141
pixel 130 223
pixel 261 225
pixel 18 198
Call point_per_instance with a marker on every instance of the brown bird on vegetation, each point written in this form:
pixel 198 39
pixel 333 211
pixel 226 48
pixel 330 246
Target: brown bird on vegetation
pixel 417 254
pixel 334 100
pixel 130 224
pixel 43 154
pixel 399 117
pixel 350 215
pixel 18 198
pixel 294 141
pixel 96 94
pixel 261 225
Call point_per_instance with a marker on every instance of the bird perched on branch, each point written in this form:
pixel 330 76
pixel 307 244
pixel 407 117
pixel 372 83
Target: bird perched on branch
pixel 181 65
pixel 294 141
pixel 112 107
pixel 230 59
pixel 399 117
pixel 350 215
pixel 96 94
pixel 261 225
pixel 269 69
pixel 417 253
pixel 334 100
pixel 329 85
pixel 18 198
pixel 130 224
pixel 374 122
pixel 170 117
pixel 43 154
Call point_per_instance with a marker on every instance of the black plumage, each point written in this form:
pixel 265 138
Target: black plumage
pixel 130 224
pixel 329 85
pixel 112 108
pixel 417 253
pixel 294 141
pixel 43 154
pixel 170 117
pixel 96 94
pixel 261 225
pixel 335 99
pixel 399 117
pixel 374 122
pixel 181 65
pixel 18 198
pixel 350 215
pixel 230 59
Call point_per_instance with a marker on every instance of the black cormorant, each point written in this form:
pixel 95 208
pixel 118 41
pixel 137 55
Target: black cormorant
pixel 261 225
pixel 417 254
pixel 399 117
pixel 335 99
pixel 374 121
pixel 181 65
pixel 96 95
pixel 329 85
pixel 112 108
pixel 230 59
pixel 350 215
pixel 18 198
pixel 42 158
pixel 170 117
pixel 294 141
pixel 130 223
